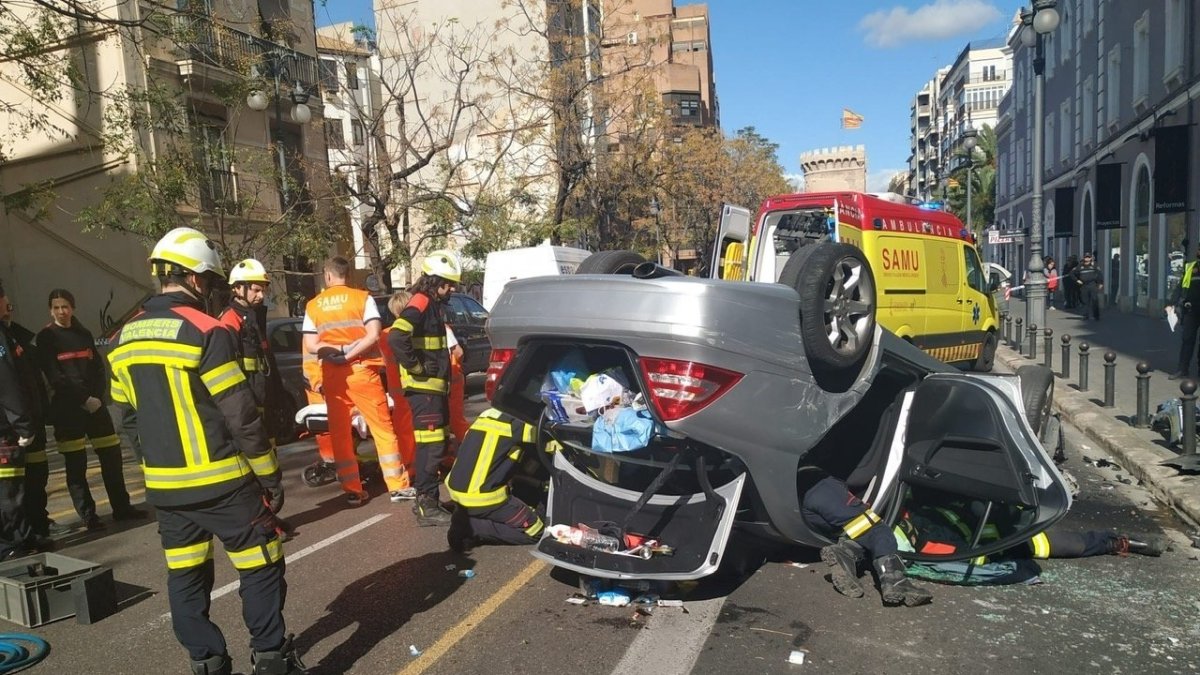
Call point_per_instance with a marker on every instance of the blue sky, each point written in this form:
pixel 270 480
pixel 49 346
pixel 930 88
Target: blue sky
pixel 788 67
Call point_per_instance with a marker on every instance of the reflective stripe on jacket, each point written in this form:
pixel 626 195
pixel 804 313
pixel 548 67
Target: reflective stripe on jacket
pixel 72 366
pixel 419 336
pixel 253 354
pixel 337 314
pixel 486 459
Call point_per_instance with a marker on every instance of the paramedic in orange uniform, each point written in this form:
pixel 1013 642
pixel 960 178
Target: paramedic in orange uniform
pixel 342 327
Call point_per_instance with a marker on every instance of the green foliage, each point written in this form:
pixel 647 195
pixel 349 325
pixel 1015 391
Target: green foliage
pixel 982 175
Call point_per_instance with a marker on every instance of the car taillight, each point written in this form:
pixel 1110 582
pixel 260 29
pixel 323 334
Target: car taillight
pixel 497 362
pixel 677 389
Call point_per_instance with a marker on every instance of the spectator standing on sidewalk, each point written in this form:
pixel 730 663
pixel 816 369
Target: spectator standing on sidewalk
pixel 1051 281
pixel 1116 278
pixel 1090 281
pixel 1186 299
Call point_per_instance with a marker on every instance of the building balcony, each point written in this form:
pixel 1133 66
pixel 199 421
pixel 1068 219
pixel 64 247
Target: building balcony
pixel 210 51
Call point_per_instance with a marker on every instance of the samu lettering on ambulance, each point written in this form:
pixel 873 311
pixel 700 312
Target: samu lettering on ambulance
pixel 902 261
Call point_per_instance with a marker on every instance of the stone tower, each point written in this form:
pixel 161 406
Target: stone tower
pixel 835 169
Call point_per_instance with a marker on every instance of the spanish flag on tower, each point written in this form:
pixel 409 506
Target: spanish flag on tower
pixel 851 119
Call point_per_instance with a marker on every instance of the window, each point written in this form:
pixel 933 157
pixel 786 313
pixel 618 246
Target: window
pixel 217 188
pixel 1141 60
pixel 1173 41
pixel 356 132
pixel 329 76
pixel 1065 132
pixel 1088 20
pixel 689 108
pixel 352 76
pixel 1088 125
pixel 1141 235
pixel 974 270
pixel 334 136
pixel 1112 87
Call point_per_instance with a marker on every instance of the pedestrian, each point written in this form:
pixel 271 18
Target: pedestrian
pixel 1186 301
pixel 204 445
pixel 1051 281
pixel 77 411
pixel 418 342
pixel 1070 291
pixel 342 327
pixel 1090 281
pixel 1115 276
pixel 37 468
pixel 18 437
pixel 828 506
pixel 485 510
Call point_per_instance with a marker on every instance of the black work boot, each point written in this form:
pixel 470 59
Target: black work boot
pixel 429 512
pixel 213 665
pixel 459 534
pixel 897 589
pixel 1140 544
pixel 283 662
pixel 844 557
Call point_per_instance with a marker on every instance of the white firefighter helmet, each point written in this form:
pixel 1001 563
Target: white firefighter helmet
pixel 187 249
pixel 248 271
pixel 444 264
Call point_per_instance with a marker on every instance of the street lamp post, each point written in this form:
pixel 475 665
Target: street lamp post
pixel 970 138
pixel 1037 22
pixel 275 66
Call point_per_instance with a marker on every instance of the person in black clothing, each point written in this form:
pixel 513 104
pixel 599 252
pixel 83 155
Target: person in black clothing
pixel 76 375
pixel 1186 299
pixel 1090 281
pixel 18 431
pixel 1070 290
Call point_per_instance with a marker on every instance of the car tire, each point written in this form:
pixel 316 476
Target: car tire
pixel 837 304
pixel 610 262
pixel 1037 393
pixel 987 353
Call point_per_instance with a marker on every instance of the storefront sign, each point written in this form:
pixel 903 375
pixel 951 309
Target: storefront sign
pixel 1171 153
pixel 1108 196
pixel 1064 211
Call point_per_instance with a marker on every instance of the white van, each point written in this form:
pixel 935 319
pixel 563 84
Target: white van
pixel 521 263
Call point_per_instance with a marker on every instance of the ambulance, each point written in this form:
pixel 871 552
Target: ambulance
pixel 932 287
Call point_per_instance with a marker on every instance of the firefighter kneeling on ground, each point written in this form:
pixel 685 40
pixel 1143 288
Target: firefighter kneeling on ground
pixel 478 483
pixel 204 445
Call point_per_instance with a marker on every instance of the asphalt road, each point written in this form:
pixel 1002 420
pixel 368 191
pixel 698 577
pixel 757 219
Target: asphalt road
pixel 366 587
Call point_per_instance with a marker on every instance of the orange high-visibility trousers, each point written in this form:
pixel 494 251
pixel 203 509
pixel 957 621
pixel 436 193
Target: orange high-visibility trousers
pixel 401 413
pixel 324 442
pixel 458 383
pixel 357 386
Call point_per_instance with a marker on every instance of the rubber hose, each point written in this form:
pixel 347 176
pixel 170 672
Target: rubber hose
pixel 15 657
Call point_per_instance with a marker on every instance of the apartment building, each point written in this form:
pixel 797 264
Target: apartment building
pixel 1122 93
pixel 925 146
pixel 214 54
pixel 969 96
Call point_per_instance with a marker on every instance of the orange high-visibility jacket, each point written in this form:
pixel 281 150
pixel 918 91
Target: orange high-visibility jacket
pixel 337 314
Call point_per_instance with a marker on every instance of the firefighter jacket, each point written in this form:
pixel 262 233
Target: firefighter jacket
pixel 339 316
pixel 419 338
pixel 15 415
pixel 196 417
pixel 72 366
pixel 33 386
pixel 254 354
pixel 487 457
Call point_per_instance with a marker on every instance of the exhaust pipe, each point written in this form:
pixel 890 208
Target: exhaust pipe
pixel 652 270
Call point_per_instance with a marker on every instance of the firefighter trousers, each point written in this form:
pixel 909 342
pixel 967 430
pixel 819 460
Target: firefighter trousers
pixel 245 527
pixel 14 528
pixel 833 509
pixel 72 431
pixel 429 432
pixel 356 386
pixel 513 522
pixel 37 476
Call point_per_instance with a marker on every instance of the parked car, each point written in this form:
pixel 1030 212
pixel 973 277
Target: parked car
pixel 755 391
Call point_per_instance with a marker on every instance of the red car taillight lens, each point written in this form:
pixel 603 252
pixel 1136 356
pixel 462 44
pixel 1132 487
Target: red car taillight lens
pixel 677 389
pixel 498 361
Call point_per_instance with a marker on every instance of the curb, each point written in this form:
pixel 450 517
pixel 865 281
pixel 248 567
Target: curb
pixel 1133 447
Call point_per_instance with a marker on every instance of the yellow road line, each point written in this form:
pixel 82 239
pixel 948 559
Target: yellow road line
pixel 99 502
pixel 483 611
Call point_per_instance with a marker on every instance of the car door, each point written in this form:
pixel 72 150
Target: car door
pixel 966 476
pixel 468 320
pixel 731 250
pixel 978 307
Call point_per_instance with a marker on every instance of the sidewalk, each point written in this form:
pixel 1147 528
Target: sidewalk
pixel 1132 338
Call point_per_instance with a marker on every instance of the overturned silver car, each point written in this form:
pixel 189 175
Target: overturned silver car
pixel 753 398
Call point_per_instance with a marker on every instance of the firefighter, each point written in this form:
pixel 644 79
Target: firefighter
pixel 77 411
pixel 37 468
pixel 341 327
pixel 207 462
pixel 828 506
pixel 488 455
pixel 248 283
pixel 418 342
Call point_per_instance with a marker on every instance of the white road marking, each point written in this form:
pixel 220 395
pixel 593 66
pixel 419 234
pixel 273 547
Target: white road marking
pixel 673 642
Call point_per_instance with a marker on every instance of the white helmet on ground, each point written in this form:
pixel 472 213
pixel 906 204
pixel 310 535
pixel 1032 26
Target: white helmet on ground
pixel 248 271
pixel 444 264
pixel 188 250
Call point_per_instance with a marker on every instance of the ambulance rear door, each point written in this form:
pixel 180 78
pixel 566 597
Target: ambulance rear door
pixel 731 251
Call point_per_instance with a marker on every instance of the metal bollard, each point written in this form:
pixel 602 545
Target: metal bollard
pixel 1188 389
pixel 1033 341
pixel 1143 395
pixel 1017 341
pixel 1066 358
pixel 1004 326
pixel 1110 378
pixel 1049 348
pixel 1083 366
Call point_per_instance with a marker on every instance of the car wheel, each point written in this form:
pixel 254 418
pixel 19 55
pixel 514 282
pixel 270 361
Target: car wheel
pixel 837 304
pixel 1037 389
pixel 610 262
pixel 987 355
